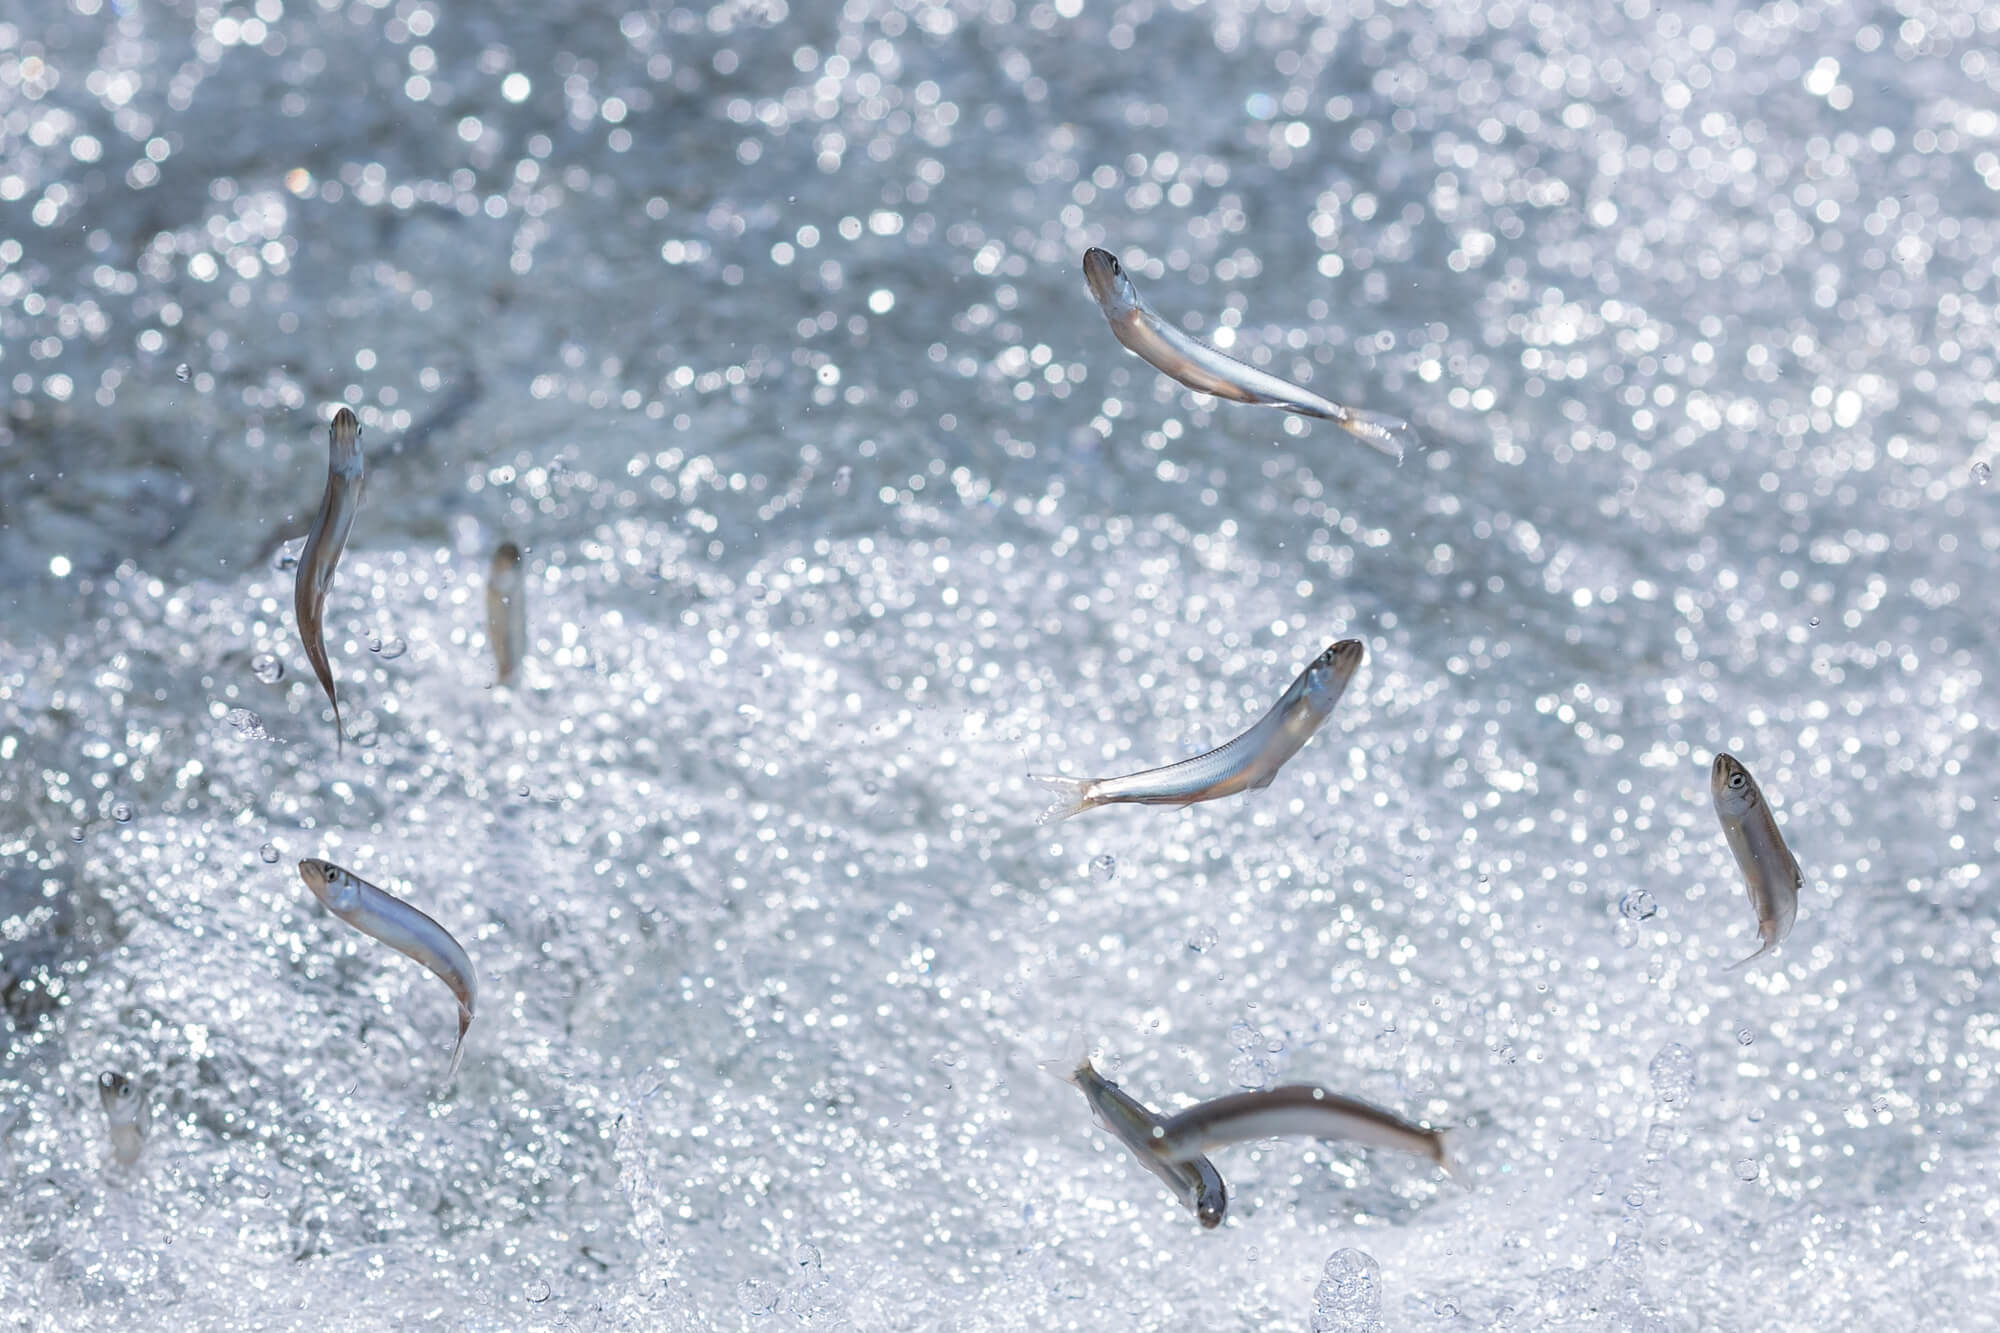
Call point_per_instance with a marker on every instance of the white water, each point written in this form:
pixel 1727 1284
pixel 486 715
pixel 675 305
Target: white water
pixel 765 334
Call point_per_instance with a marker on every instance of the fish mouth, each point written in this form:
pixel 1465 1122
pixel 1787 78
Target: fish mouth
pixel 1343 656
pixel 1101 271
pixel 314 873
pixel 1719 772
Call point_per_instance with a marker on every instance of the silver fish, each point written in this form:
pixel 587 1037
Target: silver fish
pixel 324 544
pixel 401 927
pixel 1195 1182
pixel 1769 871
pixel 506 611
pixel 125 1108
pixel 1248 763
pixel 1296 1109
pixel 1207 369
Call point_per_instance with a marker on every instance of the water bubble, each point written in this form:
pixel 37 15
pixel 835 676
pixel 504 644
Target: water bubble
pixel 1982 472
pixel 1880 1101
pixel 1202 940
pixel 269 853
pixel 536 1291
pixel 247 723
pixel 1626 933
pixel 76 833
pixel 392 647
pixel 267 668
pixel 123 812
pixel 1638 905
pixel 1104 869
pixel 1250 1072
pixel 1744 1036
pixel 1672 1072
pixel 286 558
pixel 1814 622
pixel 807 1256
pixel 182 373
pixel 1350 1289
pixel 758 1298
pixel 1243 1035
pixel 1747 1169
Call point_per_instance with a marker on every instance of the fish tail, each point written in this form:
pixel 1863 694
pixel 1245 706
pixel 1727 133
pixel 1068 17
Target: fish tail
pixel 1379 430
pixel 1768 946
pixel 458 1049
pixel 1072 1063
pixel 339 732
pixel 1070 798
pixel 1448 1141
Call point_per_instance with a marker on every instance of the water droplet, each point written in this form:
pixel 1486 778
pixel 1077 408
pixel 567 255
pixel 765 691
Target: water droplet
pixel 1672 1072
pixel 123 812
pixel 524 791
pixel 1880 1102
pixel 392 648
pixel 269 854
pixel 807 1256
pixel 758 1297
pixel 1982 472
pixel 246 723
pixel 1814 622
pixel 1747 1168
pixel 182 373
pixel 1250 1071
pixel 1638 905
pixel 1626 933
pixel 267 668
pixel 1744 1036
pixel 1104 869
pixel 286 557
pixel 1350 1288
pixel 536 1291
pixel 76 833
pixel 1244 1035
pixel 1202 940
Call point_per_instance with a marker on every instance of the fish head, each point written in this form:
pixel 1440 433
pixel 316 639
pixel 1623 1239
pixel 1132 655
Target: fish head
pixel 1108 283
pixel 343 442
pixel 1210 1205
pixel 1734 790
pixel 1329 673
pixel 335 887
pixel 118 1093
pixel 507 559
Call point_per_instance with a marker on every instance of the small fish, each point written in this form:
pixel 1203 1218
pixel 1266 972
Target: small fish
pixel 1206 369
pixel 507 611
pixel 1769 871
pixel 1248 763
pixel 401 927
pixel 324 544
pixel 1195 1182
pixel 125 1108
pixel 1297 1109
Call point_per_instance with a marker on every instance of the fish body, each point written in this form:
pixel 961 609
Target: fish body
pixel 1195 1182
pixel 1770 873
pixel 1296 1110
pixel 403 928
pixel 506 611
pixel 1247 763
pixel 1206 369
pixel 324 544
pixel 125 1111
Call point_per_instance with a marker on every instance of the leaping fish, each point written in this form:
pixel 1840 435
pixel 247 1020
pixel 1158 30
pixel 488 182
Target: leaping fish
pixel 1248 763
pixel 1195 1182
pixel 1296 1110
pixel 506 611
pixel 1770 873
pixel 324 544
pixel 404 929
pixel 1207 369
pixel 125 1110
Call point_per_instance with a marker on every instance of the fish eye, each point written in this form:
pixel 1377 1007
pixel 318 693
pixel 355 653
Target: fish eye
pixel 1736 781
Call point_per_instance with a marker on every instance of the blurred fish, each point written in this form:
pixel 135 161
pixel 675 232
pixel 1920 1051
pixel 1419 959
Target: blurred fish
pixel 401 927
pixel 125 1108
pixel 1296 1110
pixel 1769 872
pixel 324 544
pixel 507 611
pixel 1248 763
pixel 1195 1182
pixel 1206 369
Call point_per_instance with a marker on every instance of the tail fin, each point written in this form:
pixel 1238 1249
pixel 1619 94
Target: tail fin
pixel 1069 798
pixel 1448 1141
pixel 1073 1060
pixel 1379 430
pixel 458 1048
pixel 1768 946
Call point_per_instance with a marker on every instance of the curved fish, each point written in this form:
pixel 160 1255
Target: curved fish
pixel 125 1109
pixel 1210 370
pixel 1299 1110
pixel 1195 1182
pixel 1770 872
pixel 324 544
pixel 1247 763
pixel 404 929
pixel 506 611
